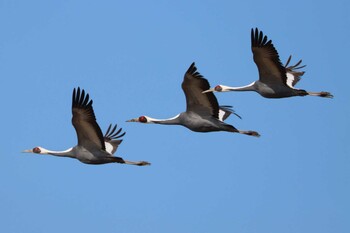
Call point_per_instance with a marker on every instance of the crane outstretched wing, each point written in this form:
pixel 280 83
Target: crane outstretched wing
pixel 111 138
pixel 84 121
pixel 293 73
pixel 225 111
pixel 267 59
pixel 193 85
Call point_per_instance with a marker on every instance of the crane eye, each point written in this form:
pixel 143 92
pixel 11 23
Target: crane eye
pixel 36 150
pixel 218 88
pixel 142 119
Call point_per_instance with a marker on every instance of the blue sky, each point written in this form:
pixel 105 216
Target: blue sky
pixel 130 57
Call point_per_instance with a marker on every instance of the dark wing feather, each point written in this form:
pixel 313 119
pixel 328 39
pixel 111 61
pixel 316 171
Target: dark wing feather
pixel 293 70
pixel 271 70
pixel 112 135
pixel 84 121
pixel 228 111
pixel 193 85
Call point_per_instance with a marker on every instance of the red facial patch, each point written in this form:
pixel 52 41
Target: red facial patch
pixel 142 119
pixel 37 150
pixel 218 88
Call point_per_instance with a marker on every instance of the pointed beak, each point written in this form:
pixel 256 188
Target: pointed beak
pixel 27 151
pixel 209 90
pixel 133 120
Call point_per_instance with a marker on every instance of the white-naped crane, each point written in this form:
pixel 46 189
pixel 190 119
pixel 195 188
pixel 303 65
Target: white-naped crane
pixel 203 113
pixel 275 80
pixel 93 147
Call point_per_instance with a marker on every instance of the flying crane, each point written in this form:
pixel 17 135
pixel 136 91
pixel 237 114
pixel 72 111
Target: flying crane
pixel 93 147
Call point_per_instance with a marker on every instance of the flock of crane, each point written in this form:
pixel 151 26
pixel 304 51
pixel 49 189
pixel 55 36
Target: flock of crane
pixel 203 113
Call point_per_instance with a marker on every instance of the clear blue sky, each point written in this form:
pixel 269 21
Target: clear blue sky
pixel 130 56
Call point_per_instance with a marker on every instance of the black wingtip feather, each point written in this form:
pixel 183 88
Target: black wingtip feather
pixel 229 110
pixel 192 70
pixel 294 67
pixel 81 100
pixel 258 39
pixel 109 128
pixel 287 63
pixel 111 134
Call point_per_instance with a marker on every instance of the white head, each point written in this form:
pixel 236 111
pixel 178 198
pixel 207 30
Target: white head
pixel 142 119
pixel 218 88
pixel 150 120
pixel 43 151
pixel 37 150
